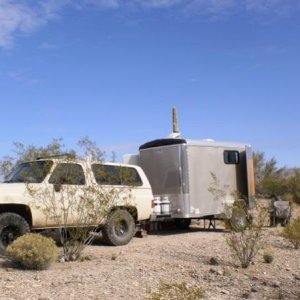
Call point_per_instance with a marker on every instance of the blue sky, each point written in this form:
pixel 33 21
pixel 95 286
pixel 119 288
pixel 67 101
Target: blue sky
pixel 112 70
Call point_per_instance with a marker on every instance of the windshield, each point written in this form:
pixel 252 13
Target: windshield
pixel 30 172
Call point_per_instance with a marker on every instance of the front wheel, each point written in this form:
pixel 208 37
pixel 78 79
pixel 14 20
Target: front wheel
pixel 11 227
pixel 119 228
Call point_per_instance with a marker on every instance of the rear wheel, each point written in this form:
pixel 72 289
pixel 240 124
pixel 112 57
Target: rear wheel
pixel 11 227
pixel 183 223
pixel 119 228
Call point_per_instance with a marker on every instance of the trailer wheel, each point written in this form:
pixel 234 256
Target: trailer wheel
pixel 11 227
pixel 182 223
pixel 119 228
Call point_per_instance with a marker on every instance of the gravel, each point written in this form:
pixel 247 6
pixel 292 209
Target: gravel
pixel 197 257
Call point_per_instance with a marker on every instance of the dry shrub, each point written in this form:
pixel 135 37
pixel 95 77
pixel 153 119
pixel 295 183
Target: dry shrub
pixel 292 233
pixel 77 211
pixel 33 251
pixel 176 291
pixel 245 237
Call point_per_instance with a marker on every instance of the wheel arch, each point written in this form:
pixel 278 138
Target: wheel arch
pixel 20 209
pixel 131 209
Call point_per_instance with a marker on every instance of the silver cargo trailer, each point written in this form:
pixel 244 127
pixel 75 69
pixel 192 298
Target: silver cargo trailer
pixel 195 178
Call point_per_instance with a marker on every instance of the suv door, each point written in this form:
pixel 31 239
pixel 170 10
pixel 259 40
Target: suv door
pixel 69 182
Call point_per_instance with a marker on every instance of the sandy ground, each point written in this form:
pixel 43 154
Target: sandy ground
pixel 128 272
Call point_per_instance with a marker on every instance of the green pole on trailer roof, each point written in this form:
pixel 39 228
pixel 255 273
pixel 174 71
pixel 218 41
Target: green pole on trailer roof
pixel 175 121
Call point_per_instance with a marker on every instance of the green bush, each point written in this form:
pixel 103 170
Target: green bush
pixel 175 291
pixel 293 187
pixel 32 251
pixel 268 255
pixel 271 180
pixel 292 233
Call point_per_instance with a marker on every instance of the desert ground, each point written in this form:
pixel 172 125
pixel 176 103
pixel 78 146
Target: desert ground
pixel 173 256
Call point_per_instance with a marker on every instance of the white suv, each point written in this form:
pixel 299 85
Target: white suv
pixel 20 214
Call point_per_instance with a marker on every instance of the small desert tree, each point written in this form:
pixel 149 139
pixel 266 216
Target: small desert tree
pixel 245 236
pixel 292 232
pixel 55 148
pixel 30 152
pixel 268 177
pixel 293 186
pixel 79 209
pixel 272 181
pixel 90 149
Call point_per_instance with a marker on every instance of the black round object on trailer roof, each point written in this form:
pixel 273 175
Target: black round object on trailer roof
pixel 162 142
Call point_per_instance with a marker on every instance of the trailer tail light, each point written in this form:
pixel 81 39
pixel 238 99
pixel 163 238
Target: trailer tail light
pixel 152 203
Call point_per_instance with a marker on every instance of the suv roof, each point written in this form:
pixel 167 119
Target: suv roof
pixel 76 160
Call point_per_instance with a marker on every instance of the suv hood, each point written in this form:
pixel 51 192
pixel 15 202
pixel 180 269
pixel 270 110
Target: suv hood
pixel 12 192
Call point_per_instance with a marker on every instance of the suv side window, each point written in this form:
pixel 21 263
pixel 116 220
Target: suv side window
pixel 116 175
pixel 68 173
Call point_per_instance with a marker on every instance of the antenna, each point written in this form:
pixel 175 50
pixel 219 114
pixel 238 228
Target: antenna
pixel 175 133
pixel 175 120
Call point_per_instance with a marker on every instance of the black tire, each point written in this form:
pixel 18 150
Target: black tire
pixel 119 228
pixel 11 227
pixel 182 224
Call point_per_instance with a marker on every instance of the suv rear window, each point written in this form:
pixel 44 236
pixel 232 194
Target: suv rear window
pixel 116 175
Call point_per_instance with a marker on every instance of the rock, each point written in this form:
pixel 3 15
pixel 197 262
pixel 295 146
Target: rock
pixel 10 287
pixel 141 234
pixel 213 261
pixel 254 289
pixel 62 259
pixel 276 284
pixel 135 283
pixel 194 274
pixel 246 295
pixel 225 292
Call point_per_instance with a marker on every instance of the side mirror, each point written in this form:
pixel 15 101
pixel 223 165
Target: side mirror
pixel 57 187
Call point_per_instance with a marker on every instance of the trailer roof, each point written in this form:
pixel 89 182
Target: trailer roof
pixel 162 142
pixel 203 143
